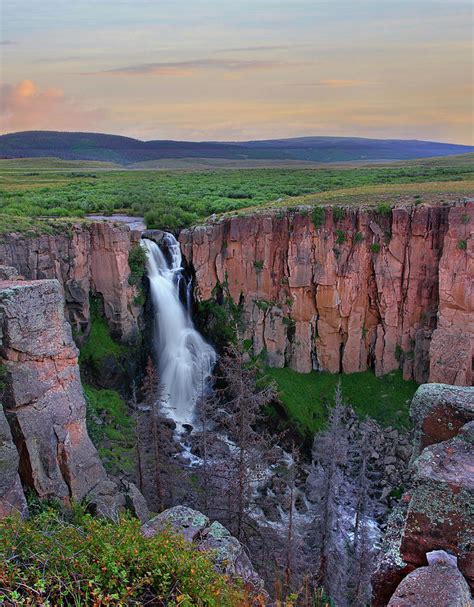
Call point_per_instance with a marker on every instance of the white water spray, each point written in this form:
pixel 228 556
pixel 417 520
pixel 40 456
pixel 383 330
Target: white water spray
pixel 185 360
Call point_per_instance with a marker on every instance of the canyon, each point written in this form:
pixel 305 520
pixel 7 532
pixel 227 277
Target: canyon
pixel 354 289
pixel 351 289
pixel 344 289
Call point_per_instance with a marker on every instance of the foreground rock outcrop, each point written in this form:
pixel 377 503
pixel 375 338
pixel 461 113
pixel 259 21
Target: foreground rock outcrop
pixel 348 289
pixel 436 513
pixel 12 497
pixel 228 553
pixel 44 405
pixel 438 585
pixel 86 259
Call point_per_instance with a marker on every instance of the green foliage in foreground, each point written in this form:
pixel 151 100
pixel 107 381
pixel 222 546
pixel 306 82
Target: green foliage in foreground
pixel 111 429
pixel 48 561
pixel 306 397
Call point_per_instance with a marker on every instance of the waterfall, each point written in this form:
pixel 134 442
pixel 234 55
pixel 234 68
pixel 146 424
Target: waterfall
pixel 185 360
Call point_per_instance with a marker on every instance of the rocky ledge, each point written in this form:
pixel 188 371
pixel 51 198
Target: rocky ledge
pixel 44 440
pixel 227 552
pixel 436 513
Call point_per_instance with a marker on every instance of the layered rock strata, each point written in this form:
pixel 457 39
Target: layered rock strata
pixel 347 291
pixel 44 404
pixel 86 259
pixel 437 510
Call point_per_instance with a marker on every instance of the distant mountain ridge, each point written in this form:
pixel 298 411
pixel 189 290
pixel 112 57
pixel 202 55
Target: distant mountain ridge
pixel 126 150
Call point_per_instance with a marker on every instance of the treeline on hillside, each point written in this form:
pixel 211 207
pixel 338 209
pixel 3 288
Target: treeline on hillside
pixel 99 146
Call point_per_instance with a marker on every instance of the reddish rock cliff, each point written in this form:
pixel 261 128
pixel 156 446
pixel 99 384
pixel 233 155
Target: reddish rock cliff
pixel 363 290
pixel 86 259
pixel 43 402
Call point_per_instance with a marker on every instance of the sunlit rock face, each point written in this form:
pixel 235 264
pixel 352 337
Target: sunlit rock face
pixel 42 395
pixel 348 291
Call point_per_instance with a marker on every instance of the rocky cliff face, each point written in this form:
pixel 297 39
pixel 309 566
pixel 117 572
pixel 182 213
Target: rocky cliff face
pixel 435 512
pixel 348 291
pixel 86 259
pixel 45 442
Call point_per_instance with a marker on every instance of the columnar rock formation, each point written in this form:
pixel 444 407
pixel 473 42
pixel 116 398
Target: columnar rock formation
pixel 436 513
pixel 348 290
pixel 43 402
pixel 85 259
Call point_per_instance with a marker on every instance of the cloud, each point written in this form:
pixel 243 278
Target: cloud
pixel 244 49
pixel 186 68
pixel 24 106
pixel 335 83
pixel 7 42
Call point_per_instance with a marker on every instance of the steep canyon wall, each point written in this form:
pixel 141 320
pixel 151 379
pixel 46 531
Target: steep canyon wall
pixel 43 436
pixel 87 258
pixel 349 289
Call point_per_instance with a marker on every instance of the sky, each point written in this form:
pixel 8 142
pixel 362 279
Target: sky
pixel 239 69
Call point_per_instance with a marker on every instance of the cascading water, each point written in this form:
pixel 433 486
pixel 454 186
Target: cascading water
pixel 185 360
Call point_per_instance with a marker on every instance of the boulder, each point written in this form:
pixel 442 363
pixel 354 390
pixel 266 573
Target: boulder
pixel 438 411
pixel 439 512
pixel 135 502
pixel 227 552
pixel 433 523
pixel 9 273
pixel 438 585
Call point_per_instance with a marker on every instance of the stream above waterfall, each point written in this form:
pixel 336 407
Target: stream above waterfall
pixel 184 360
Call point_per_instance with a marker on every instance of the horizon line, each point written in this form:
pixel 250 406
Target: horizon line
pixel 239 142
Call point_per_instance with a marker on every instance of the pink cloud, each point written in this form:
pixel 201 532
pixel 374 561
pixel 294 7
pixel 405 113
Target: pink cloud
pixel 24 106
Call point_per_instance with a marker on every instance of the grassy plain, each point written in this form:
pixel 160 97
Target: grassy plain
pixel 33 190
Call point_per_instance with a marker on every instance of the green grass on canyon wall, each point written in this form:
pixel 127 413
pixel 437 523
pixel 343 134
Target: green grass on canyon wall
pixel 306 397
pixel 175 199
pixel 111 428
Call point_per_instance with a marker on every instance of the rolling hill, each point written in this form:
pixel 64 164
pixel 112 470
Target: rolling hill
pixel 126 150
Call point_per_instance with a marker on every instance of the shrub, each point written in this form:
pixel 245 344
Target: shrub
pixel 337 213
pixel 462 244
pixel 375 248
pixel 318 217
pixel 359 237
pixel 239 195
pixel 49 560
pixel 340 237
pixel 258 265
pixel 100 344
pixel 384 208
pixel 398 352
pixel 465 218
pixel 263 304
pixel 137 262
